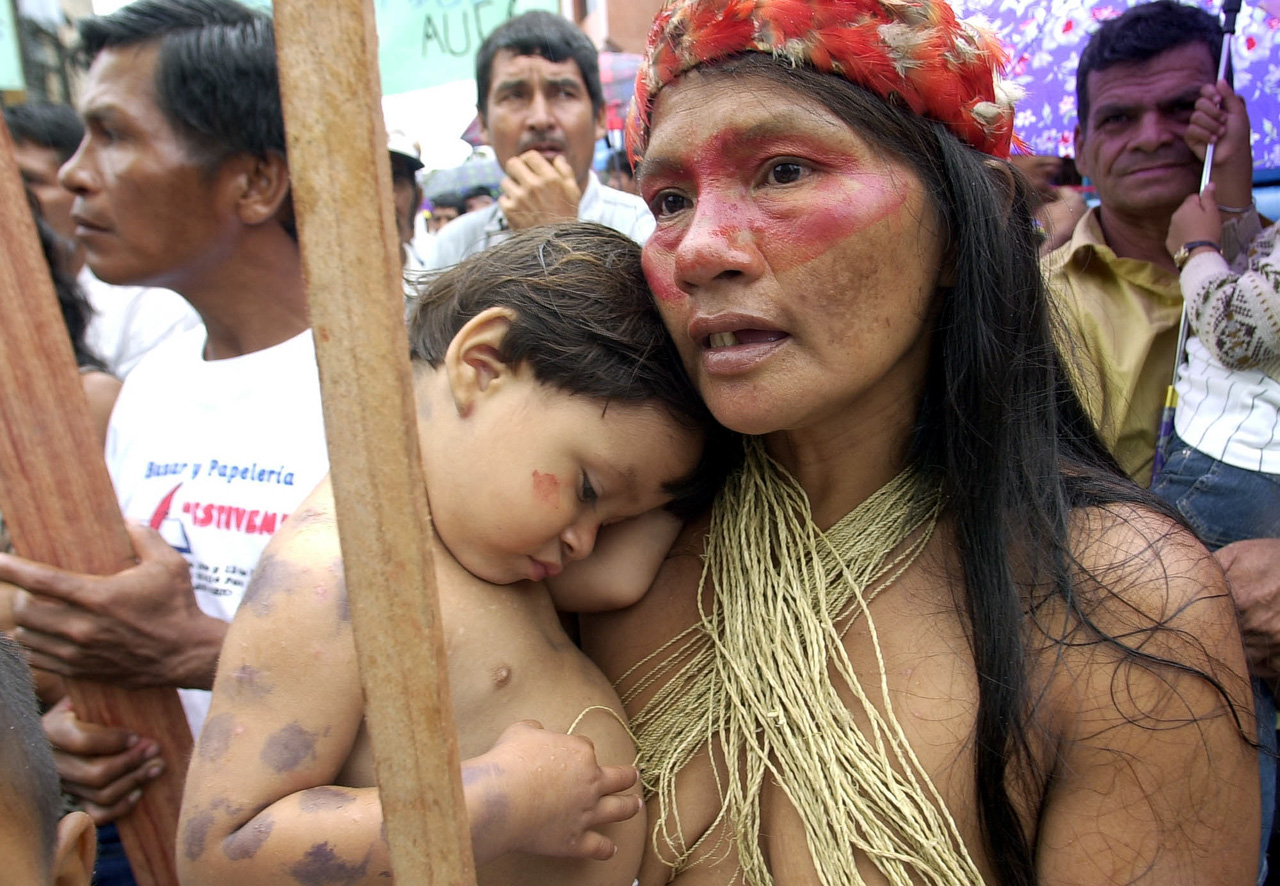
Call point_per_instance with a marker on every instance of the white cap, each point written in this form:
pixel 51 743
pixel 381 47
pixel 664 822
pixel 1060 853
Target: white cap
pixel 400 143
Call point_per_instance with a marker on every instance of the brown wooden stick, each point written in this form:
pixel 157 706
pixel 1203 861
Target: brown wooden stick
pixel 351 257
pixel 60 508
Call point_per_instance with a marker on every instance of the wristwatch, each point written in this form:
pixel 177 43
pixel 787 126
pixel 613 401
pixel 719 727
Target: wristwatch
pixel 1183 255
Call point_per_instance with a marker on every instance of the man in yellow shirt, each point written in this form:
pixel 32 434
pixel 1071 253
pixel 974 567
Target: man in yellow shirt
pixel 1117 285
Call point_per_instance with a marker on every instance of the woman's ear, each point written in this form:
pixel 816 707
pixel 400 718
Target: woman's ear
pixel 473 363
pixel 262 187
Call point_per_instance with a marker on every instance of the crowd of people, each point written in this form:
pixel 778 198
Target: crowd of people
pixel 796 486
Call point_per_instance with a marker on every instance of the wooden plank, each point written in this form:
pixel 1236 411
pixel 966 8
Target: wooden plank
pixel 351 258
pixel 60 507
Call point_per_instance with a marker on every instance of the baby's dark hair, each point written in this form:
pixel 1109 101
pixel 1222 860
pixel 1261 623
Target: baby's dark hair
pixel 28 779
pixel 585 323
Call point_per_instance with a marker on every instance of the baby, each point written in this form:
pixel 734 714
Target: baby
pixel 551 402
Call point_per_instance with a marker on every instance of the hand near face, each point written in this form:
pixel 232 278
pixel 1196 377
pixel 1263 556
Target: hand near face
pixel 538 192
pixel 104 766
pixel 1221 119
pixel 1196 219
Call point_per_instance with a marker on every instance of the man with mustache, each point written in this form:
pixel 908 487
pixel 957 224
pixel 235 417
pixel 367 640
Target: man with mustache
pixel 542 108
pixel 1136 86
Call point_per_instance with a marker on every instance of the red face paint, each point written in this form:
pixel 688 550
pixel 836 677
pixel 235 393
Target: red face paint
pixel 793 261
pixel 546 489
pixel 732 189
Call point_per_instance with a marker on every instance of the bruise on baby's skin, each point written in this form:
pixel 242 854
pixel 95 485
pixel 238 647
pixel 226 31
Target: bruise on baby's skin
pixel 195 834
pixel 216 736
pixel 493 811
pixel 325 799
pixel 273 577
pixel 321 866
pixel 246 842
pixel 287 747
pixel 247 682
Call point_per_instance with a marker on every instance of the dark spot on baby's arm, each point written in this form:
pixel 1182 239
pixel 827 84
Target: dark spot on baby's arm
pixel 195 834
pixel 321 866
pixel 325 799
pixel 288 747
pixel 491 807
pixel 246 842
pixel 247 682
pixel 216 736
pixel 272 577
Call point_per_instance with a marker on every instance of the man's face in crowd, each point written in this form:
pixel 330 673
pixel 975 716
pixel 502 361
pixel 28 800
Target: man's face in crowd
pixel 476 202
pixel 539 105
pixel 1132 146
pixel 39 168
pixel 441 216
pixel 405 195
pixel 145 210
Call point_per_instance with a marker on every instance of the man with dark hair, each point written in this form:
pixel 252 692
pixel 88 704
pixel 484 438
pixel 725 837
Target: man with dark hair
pixel 406 161
pixel 127 321
pixel 38 844
pixel 1137 84
pixel 542 108
pixel 181 181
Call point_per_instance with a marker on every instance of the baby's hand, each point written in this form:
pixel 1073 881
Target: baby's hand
pixel 1221 118
pixel 1196 219
pixel 552 794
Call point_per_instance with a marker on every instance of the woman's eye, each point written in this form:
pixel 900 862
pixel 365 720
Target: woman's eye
pixel 668 203
pixel 785 173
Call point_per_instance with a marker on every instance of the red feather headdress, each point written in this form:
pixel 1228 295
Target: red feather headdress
pixel 913 51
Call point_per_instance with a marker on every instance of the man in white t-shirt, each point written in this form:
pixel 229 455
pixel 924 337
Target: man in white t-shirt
pixel 181 181
pixel 127 321
pixel 542 109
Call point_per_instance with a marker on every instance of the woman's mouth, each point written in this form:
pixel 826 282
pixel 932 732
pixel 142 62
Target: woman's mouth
pixel 742 337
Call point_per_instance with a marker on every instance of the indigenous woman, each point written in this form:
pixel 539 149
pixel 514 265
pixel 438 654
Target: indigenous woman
pixel 928 633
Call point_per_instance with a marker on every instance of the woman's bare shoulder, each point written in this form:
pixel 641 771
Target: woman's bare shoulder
pixel 1147 693
pixel 1134 565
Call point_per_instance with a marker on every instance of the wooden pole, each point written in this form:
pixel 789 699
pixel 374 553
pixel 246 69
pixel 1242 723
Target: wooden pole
pixel 351 258
pixel 60 508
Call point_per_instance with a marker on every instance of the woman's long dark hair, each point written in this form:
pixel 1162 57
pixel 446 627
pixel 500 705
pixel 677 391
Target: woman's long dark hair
pixel 1000 425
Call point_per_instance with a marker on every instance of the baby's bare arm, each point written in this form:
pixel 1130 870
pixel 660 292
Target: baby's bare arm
pixel 260 801
pixel 621 568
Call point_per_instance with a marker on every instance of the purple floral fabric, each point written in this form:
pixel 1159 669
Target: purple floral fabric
pixel 1044 40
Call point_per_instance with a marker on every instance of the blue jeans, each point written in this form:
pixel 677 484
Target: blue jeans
pixel 1225 504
